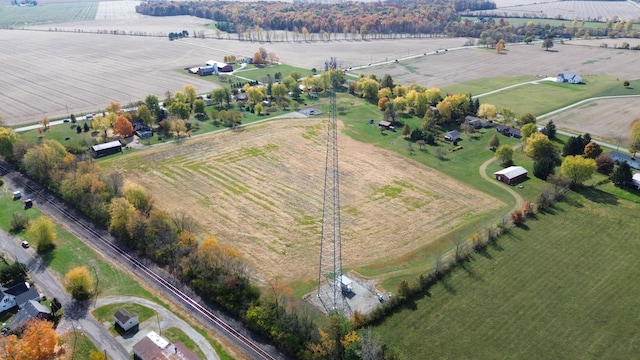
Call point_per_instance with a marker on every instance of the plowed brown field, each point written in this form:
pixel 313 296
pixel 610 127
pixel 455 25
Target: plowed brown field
pixel 260 190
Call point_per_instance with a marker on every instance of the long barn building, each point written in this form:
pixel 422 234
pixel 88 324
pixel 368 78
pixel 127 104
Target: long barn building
pixel 106 149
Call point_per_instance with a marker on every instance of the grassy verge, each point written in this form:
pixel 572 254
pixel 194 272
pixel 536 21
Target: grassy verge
pixel 546 288
pixel 77 345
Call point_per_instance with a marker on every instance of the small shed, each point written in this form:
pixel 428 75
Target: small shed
pixel 384 124
pixel 453 135
pixel 125 319
pixel 346 284
pixel 105 149
pixel 511 175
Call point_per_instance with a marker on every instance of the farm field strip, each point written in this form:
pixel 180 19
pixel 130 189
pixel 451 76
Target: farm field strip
pixel 19 16
pixel 578 10
pixel 595 117
pixel 264 191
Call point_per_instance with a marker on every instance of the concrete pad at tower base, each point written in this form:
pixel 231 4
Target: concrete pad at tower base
pixel 363 298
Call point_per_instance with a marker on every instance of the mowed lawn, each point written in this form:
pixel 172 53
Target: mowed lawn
pixel 564 287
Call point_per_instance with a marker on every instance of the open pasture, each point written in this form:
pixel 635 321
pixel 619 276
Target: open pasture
pixel 572 10
pixel 563 287
pixel 261 191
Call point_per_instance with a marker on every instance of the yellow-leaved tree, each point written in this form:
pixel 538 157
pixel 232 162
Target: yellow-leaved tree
pixel 42 231
pixel 79 282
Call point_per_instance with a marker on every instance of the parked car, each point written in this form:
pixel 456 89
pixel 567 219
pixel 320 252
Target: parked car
pixel 25 244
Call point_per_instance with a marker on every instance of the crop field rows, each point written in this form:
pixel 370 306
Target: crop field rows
pixel 578 10
pixel 260 190
pixel 518 60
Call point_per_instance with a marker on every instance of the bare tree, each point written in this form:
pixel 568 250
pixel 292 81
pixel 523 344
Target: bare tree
pixel 115 181
pixel 183 221
pixel 370 346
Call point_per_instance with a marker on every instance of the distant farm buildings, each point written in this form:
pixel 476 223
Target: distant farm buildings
pixel 569 78
pixel 212 67
pixel 511 175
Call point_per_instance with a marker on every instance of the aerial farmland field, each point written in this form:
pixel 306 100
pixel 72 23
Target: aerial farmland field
pixel 571 10
pixel 262 192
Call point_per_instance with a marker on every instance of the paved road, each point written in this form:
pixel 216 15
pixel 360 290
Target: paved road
pixel 76 313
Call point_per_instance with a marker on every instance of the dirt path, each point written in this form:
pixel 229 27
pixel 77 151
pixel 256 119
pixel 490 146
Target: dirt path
pixel 483 173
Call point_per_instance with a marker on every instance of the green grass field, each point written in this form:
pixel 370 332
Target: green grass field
pixel 18 16
pixel 77 345
pixel 547 96
pixel 561 287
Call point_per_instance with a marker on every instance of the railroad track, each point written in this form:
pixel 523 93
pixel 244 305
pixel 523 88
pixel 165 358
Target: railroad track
pixel 256 351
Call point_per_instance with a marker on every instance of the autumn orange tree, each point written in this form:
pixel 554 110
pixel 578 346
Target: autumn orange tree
pixel 123 126
pixel 37 343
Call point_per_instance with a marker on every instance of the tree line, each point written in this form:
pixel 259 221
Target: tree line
pixel 258 21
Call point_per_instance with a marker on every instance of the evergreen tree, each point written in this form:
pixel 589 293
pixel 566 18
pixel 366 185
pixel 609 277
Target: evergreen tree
pixel 622 175
pixel 543 168
pixel 550 130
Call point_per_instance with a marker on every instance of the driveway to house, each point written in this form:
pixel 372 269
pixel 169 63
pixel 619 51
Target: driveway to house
pixel 76 314
pixel 166 319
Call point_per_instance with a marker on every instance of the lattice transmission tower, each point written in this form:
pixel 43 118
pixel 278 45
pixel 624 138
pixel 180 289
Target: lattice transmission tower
pixel 330 269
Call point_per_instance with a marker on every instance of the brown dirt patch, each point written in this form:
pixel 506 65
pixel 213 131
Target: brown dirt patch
pixel 260 191
pixel 595 118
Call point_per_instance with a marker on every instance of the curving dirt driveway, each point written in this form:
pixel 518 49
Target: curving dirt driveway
pixel 483 173
pixel 166 320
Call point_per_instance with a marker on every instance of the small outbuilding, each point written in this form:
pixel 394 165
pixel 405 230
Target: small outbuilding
pixel 125 319
pixel 106 149
pixel 453 135
pixel 511 175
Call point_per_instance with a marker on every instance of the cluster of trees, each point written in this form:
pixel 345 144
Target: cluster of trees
pixel 178 35
pixel 266 21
